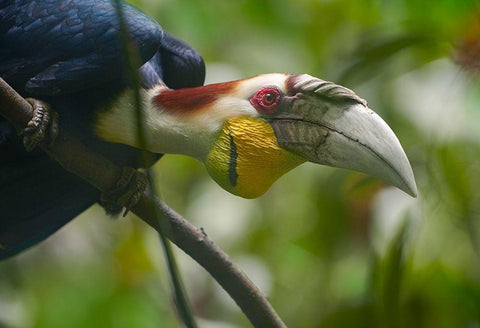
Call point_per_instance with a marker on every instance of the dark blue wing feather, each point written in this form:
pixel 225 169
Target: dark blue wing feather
pixel 67 53
pixel 38 198
pixel 63 46
pixel 182 66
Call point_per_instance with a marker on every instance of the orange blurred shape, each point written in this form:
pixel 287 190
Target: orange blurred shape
pixel 467 54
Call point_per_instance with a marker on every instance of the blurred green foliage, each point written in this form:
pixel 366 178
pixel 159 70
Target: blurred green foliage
pixel 331 248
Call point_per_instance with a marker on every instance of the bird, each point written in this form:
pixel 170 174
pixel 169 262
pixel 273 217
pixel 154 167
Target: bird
pixel 68 54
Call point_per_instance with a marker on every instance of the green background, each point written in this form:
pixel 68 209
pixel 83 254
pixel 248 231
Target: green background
pixel 330 248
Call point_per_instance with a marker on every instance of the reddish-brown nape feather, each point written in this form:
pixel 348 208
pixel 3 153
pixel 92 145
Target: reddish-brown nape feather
pixel 290 83
pixel 191 99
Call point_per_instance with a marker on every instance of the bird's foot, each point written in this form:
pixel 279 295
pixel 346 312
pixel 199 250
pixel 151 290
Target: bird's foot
pixel 126 193
pixel 43 127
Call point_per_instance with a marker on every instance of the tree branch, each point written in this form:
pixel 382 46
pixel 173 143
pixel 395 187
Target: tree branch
pixel 103 174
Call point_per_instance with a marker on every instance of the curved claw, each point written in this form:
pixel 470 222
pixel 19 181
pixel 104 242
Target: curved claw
pixel 126 193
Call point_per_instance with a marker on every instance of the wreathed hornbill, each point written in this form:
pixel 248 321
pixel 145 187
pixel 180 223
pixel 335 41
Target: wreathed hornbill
pixel 248 133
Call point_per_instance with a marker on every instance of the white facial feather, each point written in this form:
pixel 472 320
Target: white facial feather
pixel 249 87
pixel 190 133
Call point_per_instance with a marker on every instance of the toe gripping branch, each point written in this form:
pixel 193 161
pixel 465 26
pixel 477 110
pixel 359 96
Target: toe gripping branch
pixel 190 239
pixel 43 127
pixel 126 193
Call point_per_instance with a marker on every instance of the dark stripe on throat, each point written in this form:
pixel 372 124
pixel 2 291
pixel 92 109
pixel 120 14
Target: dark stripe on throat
pixel 232 164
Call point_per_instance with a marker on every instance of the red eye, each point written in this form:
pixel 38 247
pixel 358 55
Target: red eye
pixel 269 99
pixel 266 100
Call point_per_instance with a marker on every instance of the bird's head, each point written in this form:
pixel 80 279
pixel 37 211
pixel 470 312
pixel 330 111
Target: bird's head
pixel 250 132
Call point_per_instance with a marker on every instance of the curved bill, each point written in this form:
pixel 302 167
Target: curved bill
pixel 328 124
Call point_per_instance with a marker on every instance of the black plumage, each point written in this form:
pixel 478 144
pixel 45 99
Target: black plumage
pixel 67 53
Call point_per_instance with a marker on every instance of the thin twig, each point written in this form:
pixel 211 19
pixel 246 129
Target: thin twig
pixel 132 63
pixel 103 174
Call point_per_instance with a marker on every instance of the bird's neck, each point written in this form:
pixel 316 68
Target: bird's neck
pixel 246 158
pixel 166 131
pixel 241 152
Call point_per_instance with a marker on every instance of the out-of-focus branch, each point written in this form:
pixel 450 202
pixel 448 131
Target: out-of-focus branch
pixel 133 61
pixel 103 174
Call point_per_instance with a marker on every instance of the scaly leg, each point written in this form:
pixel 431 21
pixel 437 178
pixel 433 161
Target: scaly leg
pixel 43 127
